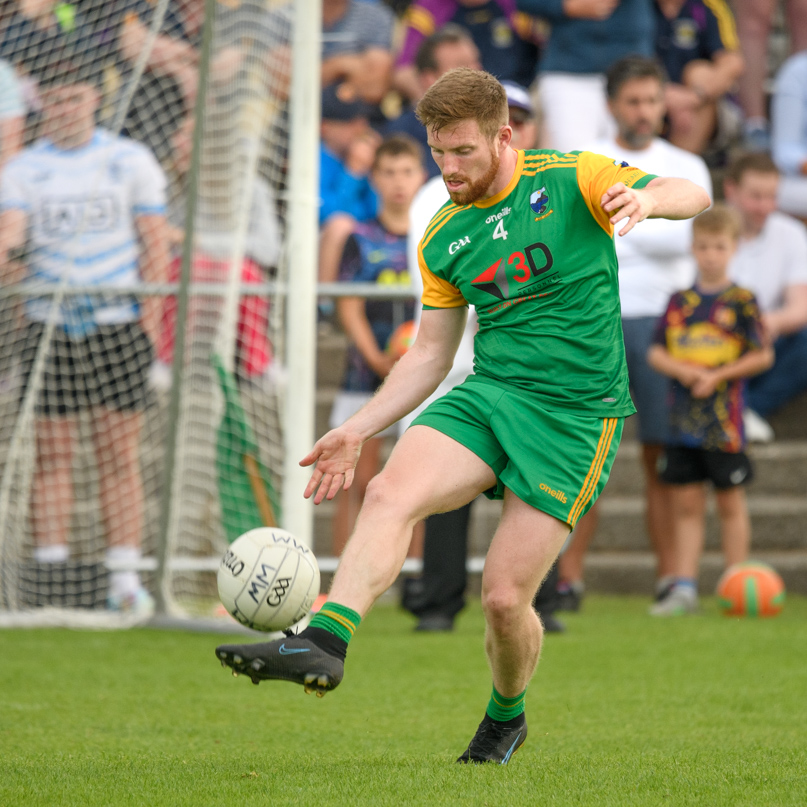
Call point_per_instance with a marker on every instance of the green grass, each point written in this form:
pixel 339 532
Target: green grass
pixel 624 710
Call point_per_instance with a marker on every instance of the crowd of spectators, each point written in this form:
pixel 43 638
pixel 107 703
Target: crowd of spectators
pixel 669 85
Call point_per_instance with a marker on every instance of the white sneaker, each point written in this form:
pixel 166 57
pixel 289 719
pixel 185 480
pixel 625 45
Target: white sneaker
pixel 680 601
pixel 140 603
pixel 757 429
pixel 160 376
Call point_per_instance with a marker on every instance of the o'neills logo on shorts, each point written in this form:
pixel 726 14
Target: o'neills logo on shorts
pixel 557 494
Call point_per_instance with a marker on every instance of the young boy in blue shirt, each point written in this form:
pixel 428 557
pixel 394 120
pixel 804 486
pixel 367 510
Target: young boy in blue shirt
pixel 708 341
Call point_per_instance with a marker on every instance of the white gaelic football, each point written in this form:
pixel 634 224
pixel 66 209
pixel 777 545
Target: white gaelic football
pixel 267 579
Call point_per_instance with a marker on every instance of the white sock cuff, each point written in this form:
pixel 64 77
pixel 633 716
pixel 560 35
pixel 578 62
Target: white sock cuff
pixel 55 553
pixel 123 554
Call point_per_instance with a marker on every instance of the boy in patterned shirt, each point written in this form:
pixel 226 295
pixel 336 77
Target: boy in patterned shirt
pixel 708 342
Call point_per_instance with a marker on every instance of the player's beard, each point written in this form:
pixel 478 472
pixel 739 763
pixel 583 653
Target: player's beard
pixel 478 188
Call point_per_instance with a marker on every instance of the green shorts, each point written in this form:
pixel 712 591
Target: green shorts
pixel 555 461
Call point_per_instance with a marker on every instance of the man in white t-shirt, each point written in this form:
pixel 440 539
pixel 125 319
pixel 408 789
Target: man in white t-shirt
pixel 771 261
pixel 87 207
pixel 653 264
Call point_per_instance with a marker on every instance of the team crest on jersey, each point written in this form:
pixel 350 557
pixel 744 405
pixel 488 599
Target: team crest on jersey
pixel 621 164
pixel 539 200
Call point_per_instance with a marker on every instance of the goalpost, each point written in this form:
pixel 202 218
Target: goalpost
pixel 112 441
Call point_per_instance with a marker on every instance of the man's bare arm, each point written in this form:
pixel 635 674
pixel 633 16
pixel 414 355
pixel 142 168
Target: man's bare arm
pixel 13 227
pixel 661 198
pixel 792 316
pixel 153 233
pixel 11 135
pixel 415 377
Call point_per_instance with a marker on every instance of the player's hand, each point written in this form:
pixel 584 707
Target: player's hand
pixel 334 456
pixel 622 202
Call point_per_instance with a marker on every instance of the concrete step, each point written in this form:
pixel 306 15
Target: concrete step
pixel 777 524
pixel 790 422
pixel 331 357
pixel 630 572
pixel 780 469
pixel 634 572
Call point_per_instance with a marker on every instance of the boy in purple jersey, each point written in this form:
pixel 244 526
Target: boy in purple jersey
pixel 709 340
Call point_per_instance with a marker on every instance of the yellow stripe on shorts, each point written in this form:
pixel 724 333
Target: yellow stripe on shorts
pixel 590 485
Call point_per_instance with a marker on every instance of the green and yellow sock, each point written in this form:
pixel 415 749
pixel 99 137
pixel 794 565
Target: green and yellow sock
pixel 337 619
pixel 502 709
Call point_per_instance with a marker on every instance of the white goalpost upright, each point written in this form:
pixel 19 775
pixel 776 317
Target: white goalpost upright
pixel 246 243
pixel 302 275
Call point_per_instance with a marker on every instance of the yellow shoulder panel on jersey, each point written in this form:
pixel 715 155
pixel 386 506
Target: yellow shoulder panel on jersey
pixel 442 217
pixel 595 174
pixel 438 218
pixel 437 293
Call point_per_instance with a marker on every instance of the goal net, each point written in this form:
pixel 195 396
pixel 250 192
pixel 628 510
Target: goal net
pixel 142 246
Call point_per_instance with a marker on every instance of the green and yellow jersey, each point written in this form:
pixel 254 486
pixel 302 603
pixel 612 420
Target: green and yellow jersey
pixel 538 262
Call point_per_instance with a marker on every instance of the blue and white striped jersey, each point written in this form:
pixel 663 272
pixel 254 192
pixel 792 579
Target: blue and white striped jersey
pixel 82 205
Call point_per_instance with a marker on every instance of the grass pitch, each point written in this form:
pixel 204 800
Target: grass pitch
pixel 625 710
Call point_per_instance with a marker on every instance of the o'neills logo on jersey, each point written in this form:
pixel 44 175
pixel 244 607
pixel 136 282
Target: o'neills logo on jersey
pixel 556 494
pixel 505 211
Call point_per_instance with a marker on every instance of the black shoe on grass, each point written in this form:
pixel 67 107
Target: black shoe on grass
pixel 496 742
pixel 292 659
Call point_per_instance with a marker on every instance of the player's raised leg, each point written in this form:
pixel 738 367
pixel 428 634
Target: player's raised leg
pixel 427 472
pixel 524 547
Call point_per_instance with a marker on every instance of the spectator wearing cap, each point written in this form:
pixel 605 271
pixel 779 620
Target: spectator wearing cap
pixel 506 39
pixel 439 594
pixel 522 116
pixel 587 37
pixel 450 47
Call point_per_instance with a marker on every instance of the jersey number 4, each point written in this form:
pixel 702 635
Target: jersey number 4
pixel 500 232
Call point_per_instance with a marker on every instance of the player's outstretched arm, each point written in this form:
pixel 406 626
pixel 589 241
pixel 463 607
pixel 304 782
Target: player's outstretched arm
pixel 661 198
pixel 411 381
